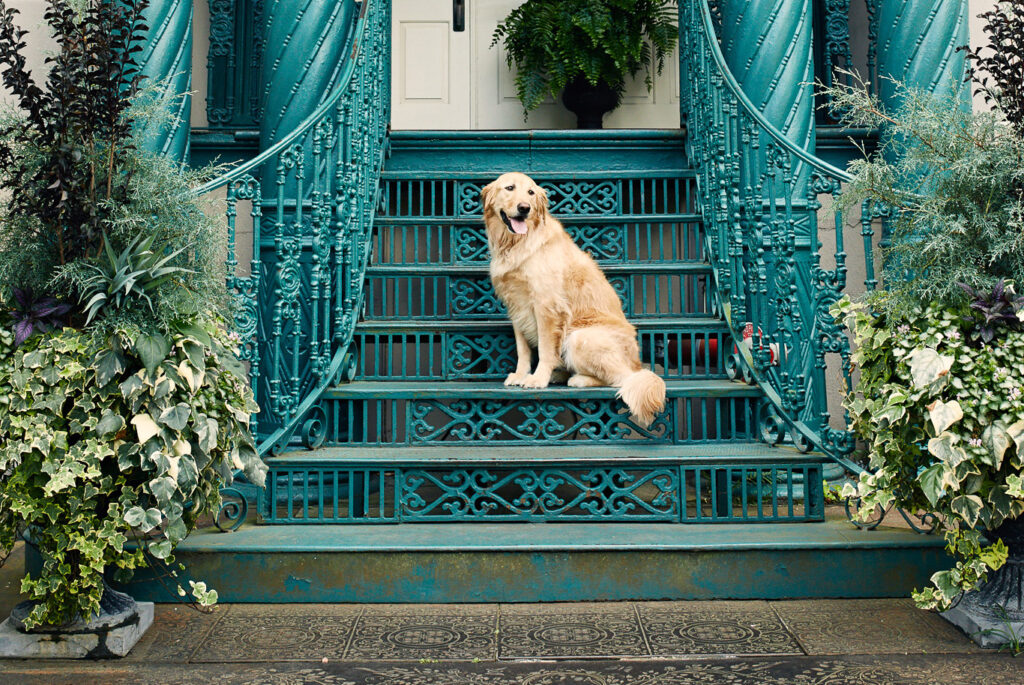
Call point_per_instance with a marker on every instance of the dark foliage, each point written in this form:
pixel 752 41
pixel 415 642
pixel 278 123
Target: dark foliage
pixel 998 68
pixel 995 309
pixel 33 314
pixel 63 161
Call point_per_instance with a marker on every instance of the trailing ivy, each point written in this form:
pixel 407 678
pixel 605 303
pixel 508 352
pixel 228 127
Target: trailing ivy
pixel 941 413
pixel 112 447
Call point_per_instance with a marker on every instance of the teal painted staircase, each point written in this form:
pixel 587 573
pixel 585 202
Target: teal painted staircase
pixel 423 479
pixel 427 432
pixel 402 470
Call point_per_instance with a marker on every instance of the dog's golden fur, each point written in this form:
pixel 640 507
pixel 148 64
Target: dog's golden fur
pixel 560 302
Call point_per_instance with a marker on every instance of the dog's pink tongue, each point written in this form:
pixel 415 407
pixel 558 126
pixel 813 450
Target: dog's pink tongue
pixel 518 225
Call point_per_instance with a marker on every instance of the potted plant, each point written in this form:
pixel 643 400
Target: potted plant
pixel 123 405
pixel 583 50
pixel 939 404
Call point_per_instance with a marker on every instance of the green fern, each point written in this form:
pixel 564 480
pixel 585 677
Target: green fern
pixel 552 42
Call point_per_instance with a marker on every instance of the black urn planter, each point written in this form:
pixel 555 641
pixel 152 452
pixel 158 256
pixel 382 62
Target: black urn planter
pixel 111 633
pixel 589 102
pixel 984 613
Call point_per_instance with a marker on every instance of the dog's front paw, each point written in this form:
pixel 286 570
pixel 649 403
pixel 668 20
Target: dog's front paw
pixel 536 381
pixel 516 378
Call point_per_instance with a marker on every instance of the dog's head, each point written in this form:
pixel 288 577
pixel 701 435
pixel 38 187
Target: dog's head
pixel 516 201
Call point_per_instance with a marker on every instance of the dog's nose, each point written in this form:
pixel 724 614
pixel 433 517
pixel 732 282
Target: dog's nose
pixel 524 209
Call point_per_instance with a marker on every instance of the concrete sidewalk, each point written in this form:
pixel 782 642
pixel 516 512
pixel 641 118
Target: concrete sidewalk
pixel 618 643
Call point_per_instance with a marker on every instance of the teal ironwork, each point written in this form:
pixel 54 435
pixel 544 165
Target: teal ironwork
pixel 917 44
pixel 166 60
pixel 765 218
pixel 310 201
pixel 761 196
pixel 375 340
pixel 233 511
pixel 233 63
pixel 569 488
pixel 426 432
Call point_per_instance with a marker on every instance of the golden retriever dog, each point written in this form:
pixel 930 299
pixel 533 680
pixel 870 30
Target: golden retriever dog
pixel 560 302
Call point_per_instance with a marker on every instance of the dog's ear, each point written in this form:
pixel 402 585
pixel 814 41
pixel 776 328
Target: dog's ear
pixel 542 199
pixel 486 192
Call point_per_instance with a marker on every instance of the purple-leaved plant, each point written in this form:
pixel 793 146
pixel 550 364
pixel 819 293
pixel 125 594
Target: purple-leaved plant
pixel 994 309
pixel 35 315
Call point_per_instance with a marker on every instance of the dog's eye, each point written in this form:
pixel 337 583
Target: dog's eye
pixel 510 187
pixel 530 192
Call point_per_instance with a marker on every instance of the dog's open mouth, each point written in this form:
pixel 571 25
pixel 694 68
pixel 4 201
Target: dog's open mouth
pixel 515 224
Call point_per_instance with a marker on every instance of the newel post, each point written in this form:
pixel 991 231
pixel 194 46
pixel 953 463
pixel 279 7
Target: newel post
pixel 768 45
pixel 917 45
pixel 302 62
pixel 166 62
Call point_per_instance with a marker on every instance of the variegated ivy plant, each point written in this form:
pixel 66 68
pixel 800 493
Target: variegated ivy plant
pixel 112 446
pixel 941 413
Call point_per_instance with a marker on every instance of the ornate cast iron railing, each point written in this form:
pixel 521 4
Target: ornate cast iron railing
pixel 763 199
pixel 305 208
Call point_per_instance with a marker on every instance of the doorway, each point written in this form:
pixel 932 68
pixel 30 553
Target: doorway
pixel 446 75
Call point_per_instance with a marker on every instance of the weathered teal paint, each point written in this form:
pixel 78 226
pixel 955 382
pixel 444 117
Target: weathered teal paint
pixel 554 562
pixel 311 198
pixel 306 48
pixel 166 60
pixel 917 45
pixel 376 342
pixel 768 46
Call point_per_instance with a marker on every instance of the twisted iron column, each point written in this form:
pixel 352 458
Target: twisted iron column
pixel 166 61
pixel 305 44
pixel 917 45
pixel 768 45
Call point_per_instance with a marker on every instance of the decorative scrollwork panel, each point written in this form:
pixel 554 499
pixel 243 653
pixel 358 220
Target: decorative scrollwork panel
pixel 480 355
pixel 599 493
pixel 511 421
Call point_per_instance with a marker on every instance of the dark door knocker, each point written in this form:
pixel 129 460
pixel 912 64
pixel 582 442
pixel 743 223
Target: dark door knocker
pixel 459 15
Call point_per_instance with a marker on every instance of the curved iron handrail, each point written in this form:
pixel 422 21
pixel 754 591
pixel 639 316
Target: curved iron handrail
pixel 730 82
pixel 312 197
pixel 760 194
pixel 306 124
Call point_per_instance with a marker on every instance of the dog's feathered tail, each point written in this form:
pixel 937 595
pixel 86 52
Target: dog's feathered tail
pixel 644 393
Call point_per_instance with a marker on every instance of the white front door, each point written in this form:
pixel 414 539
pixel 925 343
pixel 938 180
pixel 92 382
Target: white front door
pixel 430 86
pixel 445 78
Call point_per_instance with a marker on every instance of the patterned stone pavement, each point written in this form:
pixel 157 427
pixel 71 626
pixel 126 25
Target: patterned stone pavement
pixel 987 669
pixel 819 642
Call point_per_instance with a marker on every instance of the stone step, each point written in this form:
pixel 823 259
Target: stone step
pixel 581 154
pixel 481 482
pixel 455 390
pixel 547 562
pixel 429 412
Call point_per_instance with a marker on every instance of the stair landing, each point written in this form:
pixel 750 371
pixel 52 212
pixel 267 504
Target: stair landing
pixel 525 562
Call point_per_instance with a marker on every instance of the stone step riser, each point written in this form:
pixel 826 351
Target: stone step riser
pixel 608 240
pixel 443 296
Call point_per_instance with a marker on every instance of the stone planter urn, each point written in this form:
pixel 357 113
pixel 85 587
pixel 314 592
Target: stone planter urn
pixel 113 632
pixel 990 614
pixel 589 102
